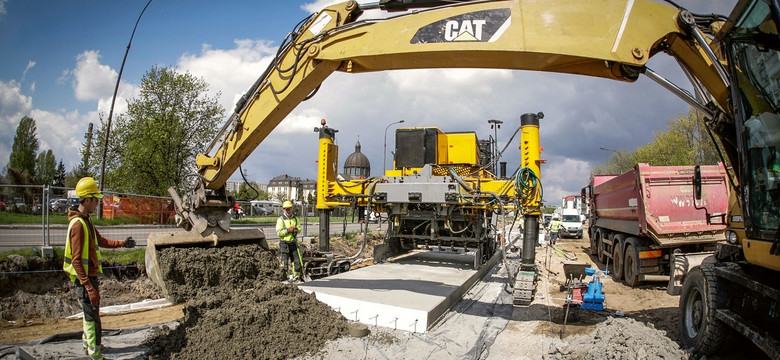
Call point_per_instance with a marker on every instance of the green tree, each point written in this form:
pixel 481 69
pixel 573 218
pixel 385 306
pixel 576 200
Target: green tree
pixel 154 144
pixel 246 193
pixel 685 142
pixel 59 175
pixel 46 167
pixel 25 147
pixel 619 162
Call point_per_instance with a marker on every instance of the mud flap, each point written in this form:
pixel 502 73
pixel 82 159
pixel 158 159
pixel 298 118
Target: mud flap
pixel 680 265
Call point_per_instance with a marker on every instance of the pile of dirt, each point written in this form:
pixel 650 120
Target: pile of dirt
pixel 620 338
pixel 34 287
pixel 238 307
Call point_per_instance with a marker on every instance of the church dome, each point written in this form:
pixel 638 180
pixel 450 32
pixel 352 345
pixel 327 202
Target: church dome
pixel 357 165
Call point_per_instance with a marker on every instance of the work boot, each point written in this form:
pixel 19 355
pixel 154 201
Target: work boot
pixel 95 353
pixel 86 346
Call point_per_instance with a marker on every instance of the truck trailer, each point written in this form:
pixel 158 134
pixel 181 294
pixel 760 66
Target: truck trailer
pixel 640 219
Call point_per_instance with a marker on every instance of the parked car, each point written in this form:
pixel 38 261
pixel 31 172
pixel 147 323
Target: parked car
pixel 263 211
pixel 18 206
pixel 59 205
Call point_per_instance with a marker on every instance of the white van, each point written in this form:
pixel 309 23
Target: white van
pixel 572 224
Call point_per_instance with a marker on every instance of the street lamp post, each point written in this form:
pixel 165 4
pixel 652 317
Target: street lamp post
pixel 111 111
pixel 495 125
pixel 384 152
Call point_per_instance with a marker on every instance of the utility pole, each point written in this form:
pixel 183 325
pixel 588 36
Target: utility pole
pixel 495 125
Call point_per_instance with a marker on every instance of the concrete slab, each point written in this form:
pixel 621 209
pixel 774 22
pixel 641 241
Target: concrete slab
pixel 410 293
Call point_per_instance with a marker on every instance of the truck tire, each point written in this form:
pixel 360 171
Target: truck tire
pixel 594 250
pixel 617 263
pixel 700 331
pixel 631 265
pixel 600 247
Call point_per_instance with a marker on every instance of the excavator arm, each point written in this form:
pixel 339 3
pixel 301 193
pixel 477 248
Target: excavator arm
pixel 606 39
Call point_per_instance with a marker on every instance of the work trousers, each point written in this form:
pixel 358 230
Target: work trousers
pixel 92 326
pixel 553 237
pixel 289 251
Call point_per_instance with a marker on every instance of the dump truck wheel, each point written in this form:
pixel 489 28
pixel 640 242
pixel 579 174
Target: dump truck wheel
pixel 617 263
pixel 602 256
pixel 593 247
pixel 631 265
pixel 700 331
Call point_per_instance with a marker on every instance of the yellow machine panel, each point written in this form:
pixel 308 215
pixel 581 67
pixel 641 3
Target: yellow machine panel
pixel 462 148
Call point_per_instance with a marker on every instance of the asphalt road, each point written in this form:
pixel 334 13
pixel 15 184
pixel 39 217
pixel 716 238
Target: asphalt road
pixel 22 236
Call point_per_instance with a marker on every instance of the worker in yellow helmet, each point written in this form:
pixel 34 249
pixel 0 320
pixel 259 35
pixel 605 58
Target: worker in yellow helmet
pixel 287 227
pixel 82 261
pixel 555 226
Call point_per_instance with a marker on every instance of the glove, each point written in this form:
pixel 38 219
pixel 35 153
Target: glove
pixel 94 297
pixel 129 242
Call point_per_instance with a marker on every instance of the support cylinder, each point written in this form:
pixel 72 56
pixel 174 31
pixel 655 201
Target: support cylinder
pixel 530 237
pixel 324 230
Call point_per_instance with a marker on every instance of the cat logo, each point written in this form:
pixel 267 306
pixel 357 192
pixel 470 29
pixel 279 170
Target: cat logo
pixel 468 30
pixel 479 26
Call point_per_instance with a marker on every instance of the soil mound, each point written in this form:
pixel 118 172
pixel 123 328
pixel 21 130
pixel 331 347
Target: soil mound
pixel 237 307
pixel 621 338
pixel 32 286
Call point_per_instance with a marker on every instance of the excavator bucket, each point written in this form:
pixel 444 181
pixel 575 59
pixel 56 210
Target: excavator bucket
pixel 159 241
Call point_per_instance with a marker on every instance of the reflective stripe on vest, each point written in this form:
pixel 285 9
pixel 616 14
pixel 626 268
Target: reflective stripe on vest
pixel 68 256
pixel 286 223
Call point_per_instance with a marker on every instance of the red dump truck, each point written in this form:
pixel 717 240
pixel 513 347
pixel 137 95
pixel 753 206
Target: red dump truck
pixel 642 219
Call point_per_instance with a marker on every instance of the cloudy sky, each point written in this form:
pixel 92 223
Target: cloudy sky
pixel 60 61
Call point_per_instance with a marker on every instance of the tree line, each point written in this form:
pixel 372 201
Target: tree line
pixel 685 142
pixel 151 146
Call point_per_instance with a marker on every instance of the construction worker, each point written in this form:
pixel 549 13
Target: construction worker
pixel 555 225
pixel 287 228
pixel 82 261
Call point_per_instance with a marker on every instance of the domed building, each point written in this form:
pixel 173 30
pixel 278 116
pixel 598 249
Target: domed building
pixel 357 166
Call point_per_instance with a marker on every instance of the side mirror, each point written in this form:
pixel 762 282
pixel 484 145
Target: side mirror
pixel 697 182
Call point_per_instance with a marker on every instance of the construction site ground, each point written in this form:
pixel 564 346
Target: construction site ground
pixel 251 313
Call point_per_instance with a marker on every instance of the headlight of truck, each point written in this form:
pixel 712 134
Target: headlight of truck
pixel 731 237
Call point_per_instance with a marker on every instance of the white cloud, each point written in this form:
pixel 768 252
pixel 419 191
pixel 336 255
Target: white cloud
pixel 2 7
pixel 91 79
pixel 60 131
pixel 318 5
pixel 63 130
pixel 13 106
pixel 229 71
pixel 563 176
pixel 30 65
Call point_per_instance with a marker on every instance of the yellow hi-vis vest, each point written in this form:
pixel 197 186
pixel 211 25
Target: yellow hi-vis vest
pixel 282 225
pixel 68 258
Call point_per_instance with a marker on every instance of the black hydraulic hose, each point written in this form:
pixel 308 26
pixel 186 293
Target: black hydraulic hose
pixel 365 233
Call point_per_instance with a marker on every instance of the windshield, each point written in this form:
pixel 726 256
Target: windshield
pixel 757 60
pixel 571 218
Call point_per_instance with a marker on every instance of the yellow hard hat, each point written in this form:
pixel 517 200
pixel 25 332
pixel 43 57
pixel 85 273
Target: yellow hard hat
pixel 87 187
pixel 287 204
